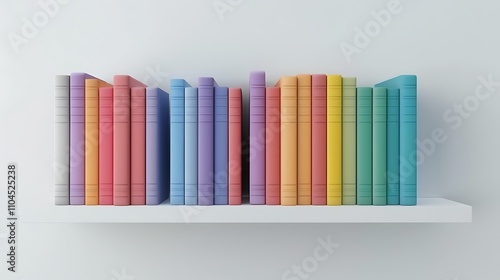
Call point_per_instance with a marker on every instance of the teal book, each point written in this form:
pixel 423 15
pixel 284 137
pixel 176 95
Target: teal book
pixel 364 146
pixel 349 141
pixel 407 85
pixel 379 146
pixel 393 146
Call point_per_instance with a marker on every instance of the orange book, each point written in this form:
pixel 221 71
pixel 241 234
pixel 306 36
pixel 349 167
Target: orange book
pixel 138 146
pixel 273 146
pixel 288 142
pixel 92 140
pixel 304 139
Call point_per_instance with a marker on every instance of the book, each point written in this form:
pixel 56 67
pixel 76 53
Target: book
pixel 288 140
pixel 77 138
pixel 379 145
pixel 106 146
pixel 364 146
pixel 349 141
pixel 191 146
pixel 122 85
pixel 407 85
pixel 157 146
pixel 257 90
pixel 235 114
pixel 177 87
pixel 138 146
pixel 273 146
pixel 61 139
pixel 92 139
pixel 206 140
pixel 221 146
pixel 304 139
pixel 318 132
pixel 334 140
pixel 393 146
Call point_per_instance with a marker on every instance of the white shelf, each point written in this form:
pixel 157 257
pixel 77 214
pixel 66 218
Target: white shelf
pixel 428 210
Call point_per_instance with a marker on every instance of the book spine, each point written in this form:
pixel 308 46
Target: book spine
pixel 379 145
pixel 273 146
pixel 191 146
pixel 393 146
pixel 364 146
pixel 77 138
pixel 318 130
pixel 91 142
pixel 349 141
pixel 205 141
pixel 235 114
pixel 257 137
pixel 121 140
pixel 138 146
pixel 304 139
pixel 177 141
pixel 221 146
pixel 408 142
pixel 334 140
pixel 61 139
pixel 106 146
pixel 288 145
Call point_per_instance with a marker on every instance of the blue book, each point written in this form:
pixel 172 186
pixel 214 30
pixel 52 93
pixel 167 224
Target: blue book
pixel 407 85
pixel 177 87
pixel 191 146
pixel 221 146
pixel 364 136
pixel 157 146
pixel 393 146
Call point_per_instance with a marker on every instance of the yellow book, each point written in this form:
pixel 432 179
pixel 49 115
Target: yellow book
pixel 92 140
pixel 334 140
pixel 288 158
pixel 304 139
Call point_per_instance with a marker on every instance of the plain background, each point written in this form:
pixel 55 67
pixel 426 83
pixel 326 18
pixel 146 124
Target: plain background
pixel 448 44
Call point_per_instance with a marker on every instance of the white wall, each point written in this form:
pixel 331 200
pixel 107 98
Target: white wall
pixel 448 44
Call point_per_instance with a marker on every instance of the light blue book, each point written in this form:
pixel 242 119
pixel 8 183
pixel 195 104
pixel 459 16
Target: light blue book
pixel 177 87
pixel 407 85
pixel 393 146
pixel 221 146
pixel 191 146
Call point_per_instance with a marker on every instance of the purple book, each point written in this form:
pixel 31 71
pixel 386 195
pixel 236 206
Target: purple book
pixel 206 140
pixel 257 137
pixel 77 138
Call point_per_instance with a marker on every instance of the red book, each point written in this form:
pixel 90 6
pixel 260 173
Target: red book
pixel 138 146
pixel 235 146
pixel 273 146
pixel 121 139
pixel 106 146
pixel 318 131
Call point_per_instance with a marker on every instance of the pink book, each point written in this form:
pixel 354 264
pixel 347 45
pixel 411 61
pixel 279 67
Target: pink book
pixel 234 146
pixel 106 146
pixel 121 140
pixel 273 146
pixel 138 146
pixel 318 131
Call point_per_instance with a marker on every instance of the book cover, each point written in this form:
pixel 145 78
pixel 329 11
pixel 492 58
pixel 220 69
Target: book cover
pixel 304 127
pixel 379 146
pixel 318 149
pixel 288 145
pixel 393 146
pixel 349 141
pixel 257 89
pixel 106 146
pixel 138 146
pixel 273 146
pixel 221 146
pixel 364 146
pixel 191 146
pixel 61 139
pixel 235 114
pixel 334 140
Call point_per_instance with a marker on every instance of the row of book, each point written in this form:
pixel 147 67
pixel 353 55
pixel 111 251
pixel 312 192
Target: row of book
pixel 314 140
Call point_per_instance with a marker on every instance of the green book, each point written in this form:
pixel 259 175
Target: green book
pixel 364 146
pixel 379 146
pixel 349 141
